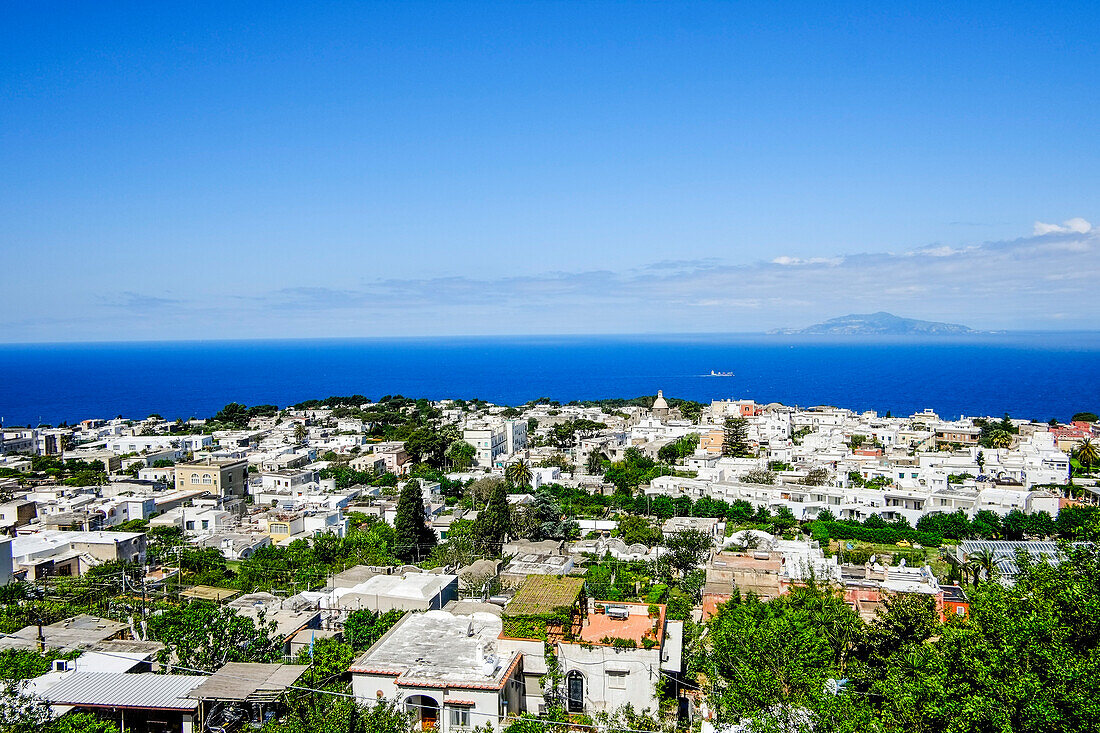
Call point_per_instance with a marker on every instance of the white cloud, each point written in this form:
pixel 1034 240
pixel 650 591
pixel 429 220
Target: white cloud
pixel 1076 225
pixel 961 284
pixel 795 261
pixel 727 303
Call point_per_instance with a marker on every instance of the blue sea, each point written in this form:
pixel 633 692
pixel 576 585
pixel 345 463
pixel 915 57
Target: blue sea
pixel 1037 376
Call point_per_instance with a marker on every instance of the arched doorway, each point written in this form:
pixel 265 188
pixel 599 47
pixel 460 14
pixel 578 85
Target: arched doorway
pixel 424 711
pixel 574 691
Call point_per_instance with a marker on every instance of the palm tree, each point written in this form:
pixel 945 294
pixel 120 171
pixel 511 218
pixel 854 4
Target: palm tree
pixel 985 564
pixel 300 432
pixel 1087 455
pixel 1000 439
pixel 518 473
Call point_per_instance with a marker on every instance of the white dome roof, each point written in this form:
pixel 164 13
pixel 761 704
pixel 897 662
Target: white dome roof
pixel 659 403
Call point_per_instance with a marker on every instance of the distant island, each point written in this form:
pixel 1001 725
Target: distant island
pixel 877 324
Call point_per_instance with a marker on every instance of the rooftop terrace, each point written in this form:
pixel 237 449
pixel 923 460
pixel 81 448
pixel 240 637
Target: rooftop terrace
pixel 634 626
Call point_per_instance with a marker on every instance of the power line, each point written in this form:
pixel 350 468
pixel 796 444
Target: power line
pixel 399 701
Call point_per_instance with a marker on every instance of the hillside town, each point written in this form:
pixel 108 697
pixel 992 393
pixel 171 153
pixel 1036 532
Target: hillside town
pixel 457 565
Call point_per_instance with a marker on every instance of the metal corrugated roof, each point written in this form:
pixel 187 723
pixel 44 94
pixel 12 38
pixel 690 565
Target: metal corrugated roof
pixel 110 690
pixel 241 680
pixel 1004 552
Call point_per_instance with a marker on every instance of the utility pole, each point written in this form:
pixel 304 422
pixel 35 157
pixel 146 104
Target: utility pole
pixel 41 637
pixel 144 570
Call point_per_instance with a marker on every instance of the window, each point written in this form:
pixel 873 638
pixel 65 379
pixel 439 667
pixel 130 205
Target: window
pixel 206 479
pixel 460 717
pixel 616 679
pixel 194 478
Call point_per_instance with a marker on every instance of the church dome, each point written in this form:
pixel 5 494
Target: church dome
pixel 659 403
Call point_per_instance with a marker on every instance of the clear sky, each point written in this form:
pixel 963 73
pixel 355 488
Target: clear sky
pixel 193 170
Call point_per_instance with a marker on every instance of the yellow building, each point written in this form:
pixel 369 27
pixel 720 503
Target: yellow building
pixel 227 477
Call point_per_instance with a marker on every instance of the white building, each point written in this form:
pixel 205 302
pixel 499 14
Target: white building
pixel 496 439
pixel 448 670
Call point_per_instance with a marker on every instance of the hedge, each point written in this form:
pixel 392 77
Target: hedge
pixel 824 531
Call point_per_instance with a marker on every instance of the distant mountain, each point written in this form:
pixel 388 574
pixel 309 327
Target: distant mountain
pixel 877 324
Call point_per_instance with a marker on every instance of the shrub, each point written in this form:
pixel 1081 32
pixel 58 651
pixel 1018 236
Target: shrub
pixel 823 531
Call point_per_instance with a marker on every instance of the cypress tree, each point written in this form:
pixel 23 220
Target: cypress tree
pixel 413 538
pixel 494 522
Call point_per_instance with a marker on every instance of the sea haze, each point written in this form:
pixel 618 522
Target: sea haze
pixel 1036 375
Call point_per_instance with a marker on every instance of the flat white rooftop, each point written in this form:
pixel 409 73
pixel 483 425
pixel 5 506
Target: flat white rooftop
pixel 415 586
pixel 438 647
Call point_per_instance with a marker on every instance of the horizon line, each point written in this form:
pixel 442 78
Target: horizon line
pixel 976 334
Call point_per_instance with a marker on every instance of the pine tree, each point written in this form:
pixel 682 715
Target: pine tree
pixel 494 522
pixel 735 438
pixel 413 538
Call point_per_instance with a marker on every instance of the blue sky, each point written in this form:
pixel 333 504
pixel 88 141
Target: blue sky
pixel 222 171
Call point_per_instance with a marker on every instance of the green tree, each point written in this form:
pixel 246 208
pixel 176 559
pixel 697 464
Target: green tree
pixel 637 530
pixel 429 445
pixel 773 659
pixel 300 433
pixel 461 454
pixel 1087 455
pixel 563 435
pixel 735 438
pixel 413 538
pixel 364 627
pixel 330 658
pixel 784 519
pixel 234 414
pixel 984 564
pixel 662 508
pixel 1000 439
pixel 986 524
pixel 24 664
pixel 21 712
pixel 1014 525
pixel 518 473
pixel 1025 660
pixel 493 523
pixel 545 519
pixel 1084 417
pixel 687 550
pixel 679 449
pixel 205 636
pixel 593 465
